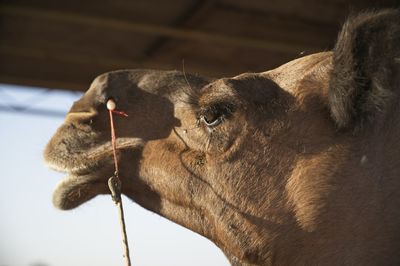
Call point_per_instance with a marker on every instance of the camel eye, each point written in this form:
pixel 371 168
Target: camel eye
pixel 211 122
pixel 216 114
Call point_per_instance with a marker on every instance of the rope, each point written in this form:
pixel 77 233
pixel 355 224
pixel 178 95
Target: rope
pixel 113 142
pixel 115 184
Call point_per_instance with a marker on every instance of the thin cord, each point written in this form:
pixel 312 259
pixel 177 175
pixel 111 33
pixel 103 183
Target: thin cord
pixel 113 142
pixel 114 183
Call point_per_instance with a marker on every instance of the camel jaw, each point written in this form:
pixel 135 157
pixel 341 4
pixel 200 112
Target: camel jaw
pixel 82 183
pixel 87 172
pixel 73 191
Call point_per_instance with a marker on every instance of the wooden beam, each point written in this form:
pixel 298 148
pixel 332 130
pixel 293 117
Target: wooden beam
pixel 24 65
pixel 198 9
pixel 79 59
pixel 158 30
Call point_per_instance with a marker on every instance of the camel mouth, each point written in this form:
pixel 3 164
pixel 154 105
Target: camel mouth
pixel 78 187
pixel 80 184
pixel 87 173
pixel 83 162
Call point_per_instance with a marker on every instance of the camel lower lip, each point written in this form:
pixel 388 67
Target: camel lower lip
pixel 74 190
pixel 81 184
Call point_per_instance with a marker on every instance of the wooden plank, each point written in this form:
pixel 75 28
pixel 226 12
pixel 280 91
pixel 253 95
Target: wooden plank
pixel 158 30
pixel 219 61
pixel 66 44
pixel 195 12
pixel 227 60
pixel 69 37
pixel 149 11
pixel 35 67
pixel 46 55
pixel 302 36
pixel 327 12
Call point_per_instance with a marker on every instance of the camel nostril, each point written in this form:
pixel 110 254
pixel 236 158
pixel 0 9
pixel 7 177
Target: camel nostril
pixel 88 121
pixel 82 118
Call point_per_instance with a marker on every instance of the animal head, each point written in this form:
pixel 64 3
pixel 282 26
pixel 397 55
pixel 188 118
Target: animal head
pixel 258 162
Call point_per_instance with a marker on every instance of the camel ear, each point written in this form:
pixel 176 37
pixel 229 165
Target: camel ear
pixel 366 63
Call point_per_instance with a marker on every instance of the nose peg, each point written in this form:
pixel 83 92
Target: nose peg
pixel 111 105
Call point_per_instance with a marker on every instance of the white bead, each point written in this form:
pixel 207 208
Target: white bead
pixel 111 105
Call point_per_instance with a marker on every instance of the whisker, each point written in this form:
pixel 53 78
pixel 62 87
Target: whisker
pixel 184 74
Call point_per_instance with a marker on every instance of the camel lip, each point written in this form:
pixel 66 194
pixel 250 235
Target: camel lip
pixel 77 170
pixel 74 190
pixel 83 163
pixel 86 170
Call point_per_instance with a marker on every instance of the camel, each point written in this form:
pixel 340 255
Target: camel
pixel 299 165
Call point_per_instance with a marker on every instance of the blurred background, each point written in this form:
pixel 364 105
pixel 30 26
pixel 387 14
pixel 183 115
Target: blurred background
pixel 50 51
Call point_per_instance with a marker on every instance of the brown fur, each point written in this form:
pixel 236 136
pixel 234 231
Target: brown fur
pixel 280 179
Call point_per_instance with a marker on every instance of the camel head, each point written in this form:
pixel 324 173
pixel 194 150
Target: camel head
pixel 273 167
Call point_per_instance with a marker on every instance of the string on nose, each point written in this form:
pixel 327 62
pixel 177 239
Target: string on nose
pixel 114 182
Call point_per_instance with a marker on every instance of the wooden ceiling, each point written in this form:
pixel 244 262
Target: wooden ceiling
pixel 65 44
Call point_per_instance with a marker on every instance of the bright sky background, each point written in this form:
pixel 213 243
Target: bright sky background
pixel 34 233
